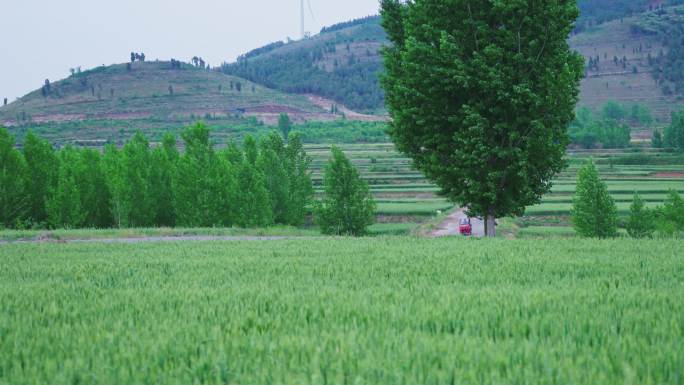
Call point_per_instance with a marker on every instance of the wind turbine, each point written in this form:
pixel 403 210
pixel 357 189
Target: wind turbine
pixel 302 14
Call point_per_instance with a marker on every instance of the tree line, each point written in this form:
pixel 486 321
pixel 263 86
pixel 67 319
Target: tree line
pixel 261 184
pixel 610 127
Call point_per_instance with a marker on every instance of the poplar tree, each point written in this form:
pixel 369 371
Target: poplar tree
pixel 594 213
pixel 641 221
pixel 162 173
pixel 271 163
pixel 93 190
pixel 135 168
pixel 14 204
pixel 481 94
pixel 64 205
pixel 203 182
pixel 300 190
pixel 253 202
pixel 42 167
pixel 348 207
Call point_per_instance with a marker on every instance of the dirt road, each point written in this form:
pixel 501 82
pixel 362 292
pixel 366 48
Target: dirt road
pixel 449 227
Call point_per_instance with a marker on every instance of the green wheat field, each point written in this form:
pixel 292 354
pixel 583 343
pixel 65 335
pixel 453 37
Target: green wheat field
pixel 387 310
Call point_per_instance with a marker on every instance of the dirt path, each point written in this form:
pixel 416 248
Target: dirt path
pixel 449 227
pixel 326 104
pixel 194 238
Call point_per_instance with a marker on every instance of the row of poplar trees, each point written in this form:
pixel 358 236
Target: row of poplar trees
pixel 140 185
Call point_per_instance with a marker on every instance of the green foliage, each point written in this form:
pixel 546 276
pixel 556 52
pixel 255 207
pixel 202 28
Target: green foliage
pixel 284 125
pixel 398 310
pixel 162 174
pixel 609 131
pixel 64 204
pixel 269 182
pixel 482 107
pixel 674 133
pixel 43 167
pixel 203 184
pixel 300 187
pixel 594 213
pixel 14 204
pixel 641 222
pixel 657 139
pixel 93 190
pixel 348 207
pixel 671 215
pixel 253 202
pixel 136 197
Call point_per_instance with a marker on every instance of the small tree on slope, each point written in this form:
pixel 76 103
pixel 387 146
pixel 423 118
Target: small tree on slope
pixel 481 94
pixel 594 213
pixel 348 207
pixel 641 221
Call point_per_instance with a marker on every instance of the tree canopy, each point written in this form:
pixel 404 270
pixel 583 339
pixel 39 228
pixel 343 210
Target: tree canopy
pixel 481 94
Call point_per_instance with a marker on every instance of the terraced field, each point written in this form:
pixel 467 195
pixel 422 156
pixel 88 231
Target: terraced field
pixel 406 199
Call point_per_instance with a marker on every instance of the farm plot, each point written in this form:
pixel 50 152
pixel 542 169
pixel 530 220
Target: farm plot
pixel 396 310
pixel 405 196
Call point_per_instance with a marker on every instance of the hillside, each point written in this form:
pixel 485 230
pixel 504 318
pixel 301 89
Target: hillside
pixel 149 96
pixel 343 61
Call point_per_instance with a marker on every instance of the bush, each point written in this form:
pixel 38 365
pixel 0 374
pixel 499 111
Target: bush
pixel 348 207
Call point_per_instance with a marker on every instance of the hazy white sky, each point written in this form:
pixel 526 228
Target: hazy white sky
pixel 42 39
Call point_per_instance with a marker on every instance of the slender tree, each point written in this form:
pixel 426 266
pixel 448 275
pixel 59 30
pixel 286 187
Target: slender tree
pixel 271 163
pixel 162 172
pixel 641 222
pixel 253 203
pixel 204 183
pixel 284 125
pixel 594 213
pixel 93 190
pixel 64 204
pixel 42 167
pixel 348 207
pixel 300 189
pixel 481 94
pixel 14 203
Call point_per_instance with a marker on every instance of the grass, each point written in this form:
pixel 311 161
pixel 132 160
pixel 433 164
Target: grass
pixel 395 310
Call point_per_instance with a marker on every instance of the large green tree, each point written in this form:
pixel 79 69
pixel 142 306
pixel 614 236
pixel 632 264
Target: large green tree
pixel 481 93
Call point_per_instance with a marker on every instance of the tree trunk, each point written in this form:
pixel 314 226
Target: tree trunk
pixel 490 224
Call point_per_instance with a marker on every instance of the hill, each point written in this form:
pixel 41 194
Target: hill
pixel 98 103
pixel 343 61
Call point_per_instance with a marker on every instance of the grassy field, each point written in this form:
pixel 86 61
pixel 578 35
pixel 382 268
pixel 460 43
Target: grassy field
pixel 395 310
